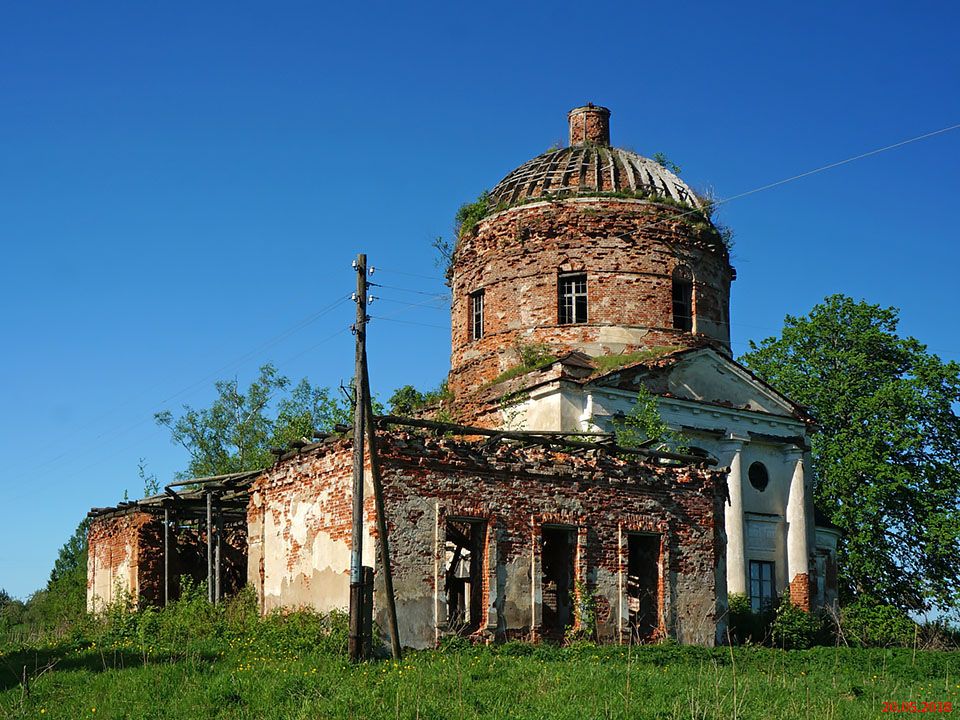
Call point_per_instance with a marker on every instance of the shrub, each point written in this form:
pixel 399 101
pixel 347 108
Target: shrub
pixel 794 628
pixel 584 627
pixel 515 648
pixel 470 214
pixel 869 623
pixel 305 630
pixel 534 354
pixel 745 626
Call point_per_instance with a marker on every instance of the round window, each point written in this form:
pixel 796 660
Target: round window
pixel 759 477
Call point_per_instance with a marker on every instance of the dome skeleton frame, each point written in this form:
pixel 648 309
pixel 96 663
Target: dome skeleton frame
pixel 597 169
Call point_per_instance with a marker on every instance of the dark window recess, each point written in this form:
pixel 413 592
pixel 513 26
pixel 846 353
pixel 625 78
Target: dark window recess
pixel 758 476
pixel 643 585
pixel 558 545
pixel 683 298
pixel 476 315
pixel 465 541
pixel 761 586
pixel 572 298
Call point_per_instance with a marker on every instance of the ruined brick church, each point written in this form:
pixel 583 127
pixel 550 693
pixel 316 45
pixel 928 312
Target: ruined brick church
pixel 594 275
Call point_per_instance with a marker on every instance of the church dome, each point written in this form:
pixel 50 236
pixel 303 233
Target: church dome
pixel 590 166
pixel 591 249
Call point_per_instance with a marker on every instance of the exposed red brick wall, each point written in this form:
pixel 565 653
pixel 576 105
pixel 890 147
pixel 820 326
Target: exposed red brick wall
pixel 322 480
pixel 111 537
pixel 627 248
pixel 515 491
pixel 800 591
pixel 589 124
pixel 128 539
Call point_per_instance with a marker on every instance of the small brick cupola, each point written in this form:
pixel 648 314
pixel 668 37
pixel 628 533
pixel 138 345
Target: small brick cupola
pixel 592 248
pixel 589 125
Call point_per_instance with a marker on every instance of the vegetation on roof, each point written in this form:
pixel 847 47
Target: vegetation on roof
pixel 700 219
pixel 532 357
pixel 608 363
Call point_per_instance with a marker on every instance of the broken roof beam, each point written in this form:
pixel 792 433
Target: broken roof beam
pixel 545 438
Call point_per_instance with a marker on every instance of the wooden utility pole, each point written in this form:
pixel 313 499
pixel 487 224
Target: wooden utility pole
pixel 359 408
pixel 382 536
pixel 210 547
pixel 218 555
pixel 166 556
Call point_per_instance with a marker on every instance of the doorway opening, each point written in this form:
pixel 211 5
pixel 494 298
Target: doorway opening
pixel 643 585
pixel 463 577
pixel 557 552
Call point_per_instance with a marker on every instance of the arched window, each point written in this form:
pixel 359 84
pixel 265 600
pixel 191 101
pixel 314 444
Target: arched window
pixel 682 298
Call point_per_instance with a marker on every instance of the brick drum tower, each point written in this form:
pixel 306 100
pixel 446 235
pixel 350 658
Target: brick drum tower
pixel 590 248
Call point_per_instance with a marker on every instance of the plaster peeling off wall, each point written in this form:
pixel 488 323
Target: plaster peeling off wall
pixel 300 526
pixel 112 559
pixel 514 493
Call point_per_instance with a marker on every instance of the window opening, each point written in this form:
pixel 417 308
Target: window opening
pixel 558 545
pixel 465 541
pixel 476 315
pixel 683 298
pixel 761 586
pixel 643 585
pixel 758 476
pixel 572 298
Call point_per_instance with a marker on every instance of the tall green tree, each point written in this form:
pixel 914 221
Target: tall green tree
pixel 887 454
pixel 72 557
pixel 63 602
pixel 236 432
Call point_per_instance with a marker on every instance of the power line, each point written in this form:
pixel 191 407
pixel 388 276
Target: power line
pixel 425 306
pixel 838 163
pixel 793 178
pixel 409 290
pixel 410 274
pixel 409 322
pixel 119 430
pixel 263 346
pixel 435 297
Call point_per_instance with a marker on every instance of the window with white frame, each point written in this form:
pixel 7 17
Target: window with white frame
pixel 476 315
pixel 572 298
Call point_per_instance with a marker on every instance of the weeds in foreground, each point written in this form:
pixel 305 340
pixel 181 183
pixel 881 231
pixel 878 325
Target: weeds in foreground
pixel 193 660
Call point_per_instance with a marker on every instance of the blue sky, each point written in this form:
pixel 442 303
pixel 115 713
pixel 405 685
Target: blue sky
pixel 183 187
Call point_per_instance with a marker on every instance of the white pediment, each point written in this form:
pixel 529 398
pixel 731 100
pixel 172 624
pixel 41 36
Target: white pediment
pixel 704 375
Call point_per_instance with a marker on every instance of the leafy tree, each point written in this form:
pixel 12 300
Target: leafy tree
pixel 307 409
pixel 887 454
pixel 151 486
pixel 643 426
pixel 63 602
pixel 406 400
pixel 236 432
pixel 72 555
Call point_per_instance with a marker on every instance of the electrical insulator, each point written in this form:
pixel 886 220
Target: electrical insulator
pixel 370 299
pixel 371 269
pixel 353 296
pixel 353 264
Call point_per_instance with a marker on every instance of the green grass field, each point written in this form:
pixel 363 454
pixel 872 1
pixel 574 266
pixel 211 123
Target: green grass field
pixel 238 677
